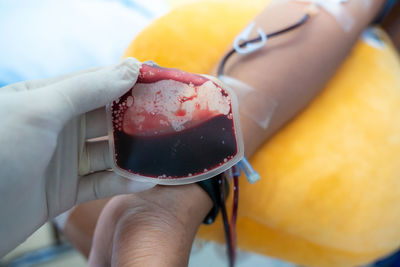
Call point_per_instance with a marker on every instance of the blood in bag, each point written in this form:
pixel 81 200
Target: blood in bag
pixel 174 127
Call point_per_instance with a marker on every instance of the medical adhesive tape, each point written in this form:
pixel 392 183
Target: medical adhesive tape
pixel 337 9
pixel 255 104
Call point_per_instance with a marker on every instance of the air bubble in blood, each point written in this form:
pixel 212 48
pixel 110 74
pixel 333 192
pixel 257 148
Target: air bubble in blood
pixel 129 101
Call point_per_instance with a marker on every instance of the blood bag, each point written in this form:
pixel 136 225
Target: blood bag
pixel 174 127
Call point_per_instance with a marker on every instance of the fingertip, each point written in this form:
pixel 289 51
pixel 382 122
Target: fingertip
pixel 88 91
pixel 130 68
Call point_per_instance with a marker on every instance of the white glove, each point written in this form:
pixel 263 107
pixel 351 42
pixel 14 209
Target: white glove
pixel 46 164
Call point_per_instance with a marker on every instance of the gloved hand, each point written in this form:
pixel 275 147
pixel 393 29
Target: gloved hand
pixel 46 164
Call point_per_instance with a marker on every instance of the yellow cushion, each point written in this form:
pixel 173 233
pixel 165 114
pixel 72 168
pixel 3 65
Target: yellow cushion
pixel 193 37
pixel 330 188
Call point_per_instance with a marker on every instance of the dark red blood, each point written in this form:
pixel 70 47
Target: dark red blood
pixel 177 155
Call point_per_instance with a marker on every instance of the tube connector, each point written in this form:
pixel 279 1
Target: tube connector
pixel 251 175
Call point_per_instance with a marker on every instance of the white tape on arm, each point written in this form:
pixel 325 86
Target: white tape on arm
pixel 255 104
pixel 337 9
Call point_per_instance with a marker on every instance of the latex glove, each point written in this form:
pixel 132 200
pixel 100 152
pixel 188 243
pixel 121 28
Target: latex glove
pixel 43 148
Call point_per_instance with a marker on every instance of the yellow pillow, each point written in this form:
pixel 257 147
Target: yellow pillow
pixel 330 188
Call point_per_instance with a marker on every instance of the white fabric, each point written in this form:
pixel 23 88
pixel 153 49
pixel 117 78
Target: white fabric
pixel 42 140
pixel 47 38
pixel 62 219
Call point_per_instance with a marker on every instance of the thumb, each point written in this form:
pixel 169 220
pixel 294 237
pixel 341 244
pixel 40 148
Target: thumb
pixel 84 92
pixel 105 184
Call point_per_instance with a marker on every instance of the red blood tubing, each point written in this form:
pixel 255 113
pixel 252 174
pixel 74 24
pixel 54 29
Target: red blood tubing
pixel 174 127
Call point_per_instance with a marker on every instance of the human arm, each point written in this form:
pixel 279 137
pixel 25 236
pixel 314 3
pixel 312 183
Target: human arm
pixel 293 68
pixel 151 228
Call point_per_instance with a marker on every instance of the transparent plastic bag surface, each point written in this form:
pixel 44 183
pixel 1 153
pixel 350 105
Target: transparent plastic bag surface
pixel 174 127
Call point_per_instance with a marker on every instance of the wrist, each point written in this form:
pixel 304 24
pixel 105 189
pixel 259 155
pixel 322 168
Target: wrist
pixel 187 203
pixel 160 228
